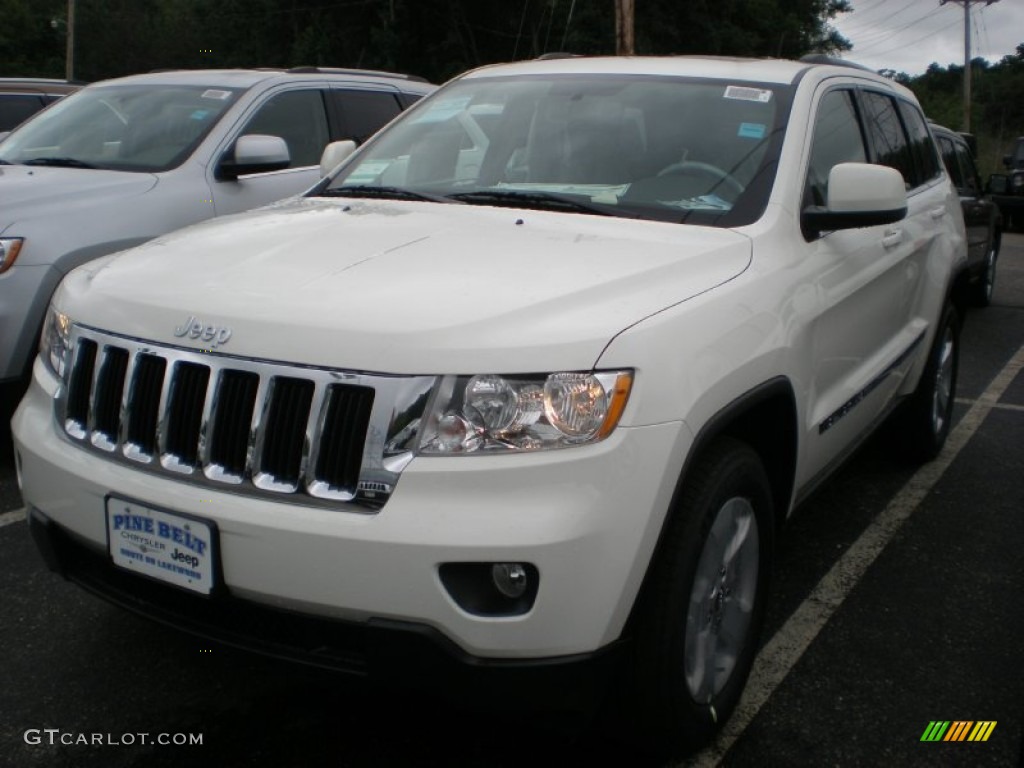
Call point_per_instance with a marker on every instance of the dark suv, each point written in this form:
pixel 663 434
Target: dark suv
pixel 1008 188
pixel 20 98
pixel 982 217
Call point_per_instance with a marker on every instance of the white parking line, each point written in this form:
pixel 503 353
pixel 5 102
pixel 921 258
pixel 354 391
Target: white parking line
pixel 786 647
pixel 997 406
pixel 6 518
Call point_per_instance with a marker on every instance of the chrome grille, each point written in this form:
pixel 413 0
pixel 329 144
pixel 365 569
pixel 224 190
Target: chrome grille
pixel 249 426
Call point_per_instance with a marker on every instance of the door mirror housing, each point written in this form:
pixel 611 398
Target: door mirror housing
pixel 859 195
pixel 254 153
pixel 334 155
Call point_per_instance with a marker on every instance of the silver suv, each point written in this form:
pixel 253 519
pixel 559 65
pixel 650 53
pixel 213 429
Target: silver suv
pixel 125 160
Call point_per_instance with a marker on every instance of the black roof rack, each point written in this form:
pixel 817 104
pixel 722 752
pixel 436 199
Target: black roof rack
pixel 821 58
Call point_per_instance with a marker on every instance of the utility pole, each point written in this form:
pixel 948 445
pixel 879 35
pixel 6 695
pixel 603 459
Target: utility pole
pixel 967 54
pixel 624 28
pixel 69 54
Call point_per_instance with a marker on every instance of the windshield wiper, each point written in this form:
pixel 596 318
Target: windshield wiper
pixel 382 193
pixel 59 162
pixel 541 201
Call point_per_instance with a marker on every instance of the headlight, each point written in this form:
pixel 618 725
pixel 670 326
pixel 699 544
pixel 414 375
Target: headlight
pixel 486 413
pixel 55 344
pixel 1018 181
pixel 9 247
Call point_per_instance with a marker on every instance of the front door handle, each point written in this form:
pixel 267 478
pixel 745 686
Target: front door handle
pixel 938 213
pixel 892 238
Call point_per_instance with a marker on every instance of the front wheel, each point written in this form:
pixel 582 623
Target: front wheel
pixel 699 619
pixel 929 412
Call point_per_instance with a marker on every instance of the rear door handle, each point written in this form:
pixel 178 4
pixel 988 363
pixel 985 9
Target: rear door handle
pixel 892 237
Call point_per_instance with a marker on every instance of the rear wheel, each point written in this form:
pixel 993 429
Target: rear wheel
pixel 699 619
pixel 929 412
pixel 987 281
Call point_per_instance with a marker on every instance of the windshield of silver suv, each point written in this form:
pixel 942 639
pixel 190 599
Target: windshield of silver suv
pixel 142 128
pixel 662 148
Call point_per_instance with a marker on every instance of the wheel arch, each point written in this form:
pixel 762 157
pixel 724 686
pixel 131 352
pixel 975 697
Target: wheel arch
pixel 764 418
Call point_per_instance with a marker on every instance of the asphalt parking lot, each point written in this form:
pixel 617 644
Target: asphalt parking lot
pixel 898 602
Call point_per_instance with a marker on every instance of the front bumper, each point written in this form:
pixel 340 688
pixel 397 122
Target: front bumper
pixel 588 518
pixel 385 650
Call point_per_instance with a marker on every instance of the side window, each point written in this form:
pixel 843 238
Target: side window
pixel 300 119
pixel 408 99
pixel 921 146
pixel 15 108
pixel 888 137
pixel 365 112
pixel 837 139
pixel 950 159
pixel 972 181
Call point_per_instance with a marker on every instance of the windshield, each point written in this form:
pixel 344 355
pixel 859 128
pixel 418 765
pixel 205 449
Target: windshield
pixel 662 148
pixel 120 127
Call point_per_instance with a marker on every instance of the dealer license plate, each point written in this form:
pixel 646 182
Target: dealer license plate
pixel 170 547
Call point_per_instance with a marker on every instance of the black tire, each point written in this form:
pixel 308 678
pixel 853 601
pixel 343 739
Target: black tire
pixel 929 412
pixel 672 703
pixel 987 280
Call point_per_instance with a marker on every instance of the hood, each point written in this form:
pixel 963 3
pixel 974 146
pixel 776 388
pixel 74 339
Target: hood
pixel 411 288
pixel 31 191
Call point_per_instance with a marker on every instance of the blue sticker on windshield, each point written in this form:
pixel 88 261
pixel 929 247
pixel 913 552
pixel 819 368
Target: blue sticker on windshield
pixel 752 130
pixel 200 114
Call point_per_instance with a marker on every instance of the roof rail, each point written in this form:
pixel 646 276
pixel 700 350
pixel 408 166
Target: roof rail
pixel 557 55
pixel 307 70
pixel 821 58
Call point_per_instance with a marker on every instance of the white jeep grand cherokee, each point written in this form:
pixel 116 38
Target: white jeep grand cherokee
pixel 525 387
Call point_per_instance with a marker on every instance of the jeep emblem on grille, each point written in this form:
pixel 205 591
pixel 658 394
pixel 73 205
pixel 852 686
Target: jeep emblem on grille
pixel 197 329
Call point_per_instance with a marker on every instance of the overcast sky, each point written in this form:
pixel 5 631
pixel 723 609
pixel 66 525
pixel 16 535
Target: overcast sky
pixel 908 35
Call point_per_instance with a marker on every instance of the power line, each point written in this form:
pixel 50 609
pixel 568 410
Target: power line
pixel 889 34
pixel 901 46
pixel 865 23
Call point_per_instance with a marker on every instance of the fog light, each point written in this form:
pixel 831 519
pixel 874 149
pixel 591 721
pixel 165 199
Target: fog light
pixel 510 579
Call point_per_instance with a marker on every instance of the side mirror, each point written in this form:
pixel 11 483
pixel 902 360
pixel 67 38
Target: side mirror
pixel 334 155
pixel 254 153
pixel 859 195
pixel 998 184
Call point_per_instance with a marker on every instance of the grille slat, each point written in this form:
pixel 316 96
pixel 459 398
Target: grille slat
pixel 144 403
pixel 106 407
pixel 284 432
pixel 259 428
pixel 80 388
pixel 184 419
pixel 343 436
pixel 233 413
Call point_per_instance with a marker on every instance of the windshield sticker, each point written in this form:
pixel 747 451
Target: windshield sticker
pixel 213 93
pixel 443 109
pixel 748 94
pixel 367 172
pixel 703 203
pixel 752 130
pixel 200 114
